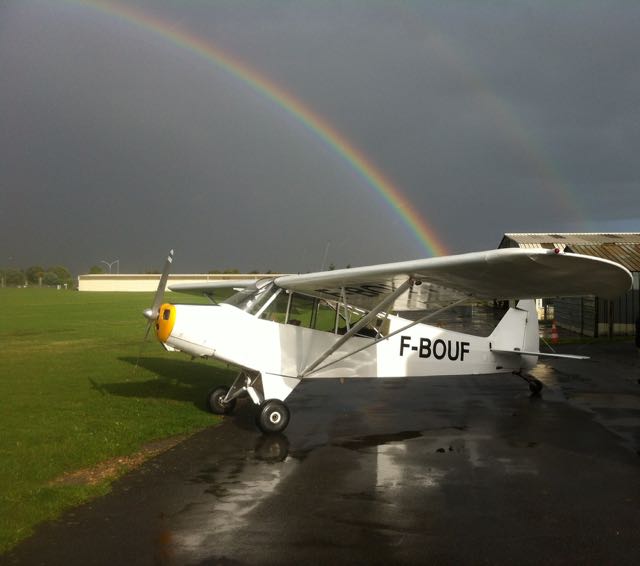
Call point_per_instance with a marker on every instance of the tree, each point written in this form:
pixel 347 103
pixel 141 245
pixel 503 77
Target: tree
pixel 50 279
pixel 63 275
pixel 14 277
pixel 34 273
pixel 96 270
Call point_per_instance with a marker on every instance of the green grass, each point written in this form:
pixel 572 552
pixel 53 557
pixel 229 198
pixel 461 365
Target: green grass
pixel 72 396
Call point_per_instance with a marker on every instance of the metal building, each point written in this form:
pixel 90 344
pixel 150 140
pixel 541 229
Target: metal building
pixel 593 316
pixel 149 282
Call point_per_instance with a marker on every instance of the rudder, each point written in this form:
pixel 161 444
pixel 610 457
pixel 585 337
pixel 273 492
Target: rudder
pixel 518 330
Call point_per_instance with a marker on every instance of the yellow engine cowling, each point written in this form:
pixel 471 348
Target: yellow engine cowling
pixel 165 321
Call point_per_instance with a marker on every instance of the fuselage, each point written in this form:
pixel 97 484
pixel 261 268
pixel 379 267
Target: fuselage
pixel 228 333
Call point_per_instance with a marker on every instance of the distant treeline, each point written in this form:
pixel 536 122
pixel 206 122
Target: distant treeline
pixel 36 275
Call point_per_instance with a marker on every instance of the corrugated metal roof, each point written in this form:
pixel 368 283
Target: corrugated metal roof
pixel 627 255
pixel 575 238
pixel 548 246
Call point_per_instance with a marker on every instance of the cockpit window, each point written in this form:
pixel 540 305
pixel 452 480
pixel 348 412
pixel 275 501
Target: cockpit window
pixel 277 305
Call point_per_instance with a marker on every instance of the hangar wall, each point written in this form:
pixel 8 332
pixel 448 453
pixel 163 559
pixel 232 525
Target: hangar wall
pixel 149 282
pixel 593 316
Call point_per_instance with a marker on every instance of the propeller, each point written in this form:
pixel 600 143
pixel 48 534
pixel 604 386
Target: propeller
pixel 152 313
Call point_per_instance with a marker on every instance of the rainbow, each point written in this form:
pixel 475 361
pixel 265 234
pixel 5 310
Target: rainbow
pixel 316 124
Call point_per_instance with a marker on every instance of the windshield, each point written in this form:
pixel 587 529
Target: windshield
pixel 250 300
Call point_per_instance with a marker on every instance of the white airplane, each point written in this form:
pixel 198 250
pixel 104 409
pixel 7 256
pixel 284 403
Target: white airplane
pixel 339 324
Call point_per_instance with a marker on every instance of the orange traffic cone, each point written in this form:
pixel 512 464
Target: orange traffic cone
pixel 554 333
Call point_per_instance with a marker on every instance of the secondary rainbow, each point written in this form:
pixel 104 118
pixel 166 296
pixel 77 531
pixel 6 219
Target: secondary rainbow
pixel 319 126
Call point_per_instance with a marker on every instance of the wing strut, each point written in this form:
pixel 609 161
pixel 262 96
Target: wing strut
pixel 406 327
pixel 356 327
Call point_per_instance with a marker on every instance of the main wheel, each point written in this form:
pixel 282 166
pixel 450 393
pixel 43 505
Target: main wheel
pixel 273 416
pixel 215 401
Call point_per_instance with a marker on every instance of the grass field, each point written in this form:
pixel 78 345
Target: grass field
pixel 72 397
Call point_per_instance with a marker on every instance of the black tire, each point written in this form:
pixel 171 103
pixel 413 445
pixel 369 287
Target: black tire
pixel 535 386
pixel 215 404
pixel 273 416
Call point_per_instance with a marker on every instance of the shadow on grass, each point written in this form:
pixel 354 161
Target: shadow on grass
pixel 178 380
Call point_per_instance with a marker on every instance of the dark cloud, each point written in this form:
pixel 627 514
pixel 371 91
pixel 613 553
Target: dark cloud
pixel 490 117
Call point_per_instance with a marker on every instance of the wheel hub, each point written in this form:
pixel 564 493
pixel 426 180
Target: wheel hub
pixel 275 417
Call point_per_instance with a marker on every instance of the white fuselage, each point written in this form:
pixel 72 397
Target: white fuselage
pixel 232 335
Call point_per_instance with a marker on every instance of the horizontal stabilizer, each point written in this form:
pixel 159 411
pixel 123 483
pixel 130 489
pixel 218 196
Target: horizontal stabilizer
pixel 540 354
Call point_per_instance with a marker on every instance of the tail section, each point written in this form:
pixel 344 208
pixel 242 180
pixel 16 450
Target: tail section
pixel 517 333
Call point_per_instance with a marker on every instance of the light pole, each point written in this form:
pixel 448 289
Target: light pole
pixel 110 264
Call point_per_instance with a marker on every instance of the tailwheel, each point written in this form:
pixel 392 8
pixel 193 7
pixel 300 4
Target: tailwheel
pixel 535 386
pixel 273 416
pixel 216 403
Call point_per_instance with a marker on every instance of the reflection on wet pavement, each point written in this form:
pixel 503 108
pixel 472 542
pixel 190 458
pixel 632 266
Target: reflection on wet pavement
pixel 385 469
pixel 236 490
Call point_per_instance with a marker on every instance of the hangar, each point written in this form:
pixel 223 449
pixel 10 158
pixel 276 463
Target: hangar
pixel 148 282
pixel 593 316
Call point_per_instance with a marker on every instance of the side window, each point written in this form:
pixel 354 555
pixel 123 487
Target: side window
pixel 277 310
pixel 352 316
pixel 325 318
pixel 301 311
pixel 318 314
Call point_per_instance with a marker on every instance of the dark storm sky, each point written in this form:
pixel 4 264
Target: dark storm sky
pixel 490 117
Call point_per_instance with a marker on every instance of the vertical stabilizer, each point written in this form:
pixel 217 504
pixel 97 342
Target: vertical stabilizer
pixel 518 331
pixel 531 331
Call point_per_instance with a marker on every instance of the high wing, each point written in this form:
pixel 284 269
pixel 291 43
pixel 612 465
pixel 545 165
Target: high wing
pixel 496 274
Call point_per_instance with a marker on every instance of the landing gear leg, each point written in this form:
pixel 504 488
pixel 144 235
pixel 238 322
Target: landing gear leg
pixel 273 416
pixel 535 385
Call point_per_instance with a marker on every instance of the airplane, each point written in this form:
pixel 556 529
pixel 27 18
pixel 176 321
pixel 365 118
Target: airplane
pixel 343 323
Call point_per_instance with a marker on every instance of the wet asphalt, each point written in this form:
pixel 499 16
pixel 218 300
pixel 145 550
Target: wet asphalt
pixel 455 470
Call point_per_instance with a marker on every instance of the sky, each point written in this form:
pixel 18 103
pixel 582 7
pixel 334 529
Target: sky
pixel 129 128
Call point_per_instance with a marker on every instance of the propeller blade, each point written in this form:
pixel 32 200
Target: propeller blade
pixel 152 313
